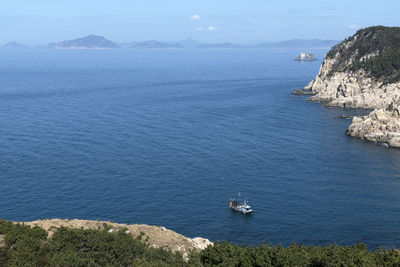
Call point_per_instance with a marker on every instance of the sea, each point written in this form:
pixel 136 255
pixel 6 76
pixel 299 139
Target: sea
pixel 167 137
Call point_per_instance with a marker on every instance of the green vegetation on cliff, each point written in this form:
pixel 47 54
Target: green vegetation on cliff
pixel 225 254
pixel 22 245
pixel 383 43
pixel 26 246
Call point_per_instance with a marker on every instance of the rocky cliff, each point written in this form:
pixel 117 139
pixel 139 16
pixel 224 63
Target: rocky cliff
pixel 363 72
pixel 381 125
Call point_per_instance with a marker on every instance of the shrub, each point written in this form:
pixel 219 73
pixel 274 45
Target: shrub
pixel 29 246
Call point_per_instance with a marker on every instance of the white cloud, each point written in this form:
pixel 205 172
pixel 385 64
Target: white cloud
pixel 212 28
pixel 354 27
pixel 195 17
pixel 205 29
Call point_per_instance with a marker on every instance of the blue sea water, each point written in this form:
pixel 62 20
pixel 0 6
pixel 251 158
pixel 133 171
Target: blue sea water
pixel 166 137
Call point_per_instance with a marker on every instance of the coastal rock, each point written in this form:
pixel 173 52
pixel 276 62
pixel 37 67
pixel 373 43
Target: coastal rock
pixel 381 125
pixel 363 72
pixel 346 117
pixel 305 57
pixel 349 90
pixel 200 243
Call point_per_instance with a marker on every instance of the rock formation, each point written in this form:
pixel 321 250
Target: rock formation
pixel 305 57
pixel 350 90
pixel 363 72
pixel 381 125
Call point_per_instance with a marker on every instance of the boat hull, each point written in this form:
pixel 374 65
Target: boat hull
pixel 241 210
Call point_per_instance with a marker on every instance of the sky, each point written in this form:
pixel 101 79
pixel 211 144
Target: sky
pixel 37 22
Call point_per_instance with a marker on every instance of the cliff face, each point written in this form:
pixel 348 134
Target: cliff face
pixel 364 72
pixel 361 72
pixel 351 90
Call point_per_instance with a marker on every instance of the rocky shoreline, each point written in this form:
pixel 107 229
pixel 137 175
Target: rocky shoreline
pixel 349 90
pixel 381 126
pixel 339 85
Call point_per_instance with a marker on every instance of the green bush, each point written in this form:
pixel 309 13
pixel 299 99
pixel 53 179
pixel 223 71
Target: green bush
pixel 226 254
pixel 29 246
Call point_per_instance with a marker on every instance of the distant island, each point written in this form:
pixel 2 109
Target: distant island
pixel 220 45
pixel 189 43
pixel 299 44
pixel 99 42
pixel 14 45
pixel 156 45
pixel 305 57
pixel 363 72
pixel 87 42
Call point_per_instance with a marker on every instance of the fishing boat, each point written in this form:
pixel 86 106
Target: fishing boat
pixel 240 207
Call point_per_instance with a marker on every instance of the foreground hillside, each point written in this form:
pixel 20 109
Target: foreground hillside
pixel 80 243
pixel 363 71
pixel 154 236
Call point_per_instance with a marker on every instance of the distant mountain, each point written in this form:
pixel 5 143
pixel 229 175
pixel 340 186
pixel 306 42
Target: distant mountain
pixel 87 42
pixel 156 45
pixel 99 42
pixel 300 43
pixel 14 45
pixel 189 43
pixel 127 44
pixel 221 45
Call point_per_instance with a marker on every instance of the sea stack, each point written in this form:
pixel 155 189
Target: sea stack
pixel 363 72
pixel 305 57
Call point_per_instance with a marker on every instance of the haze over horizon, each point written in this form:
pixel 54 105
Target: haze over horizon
pixel 43 21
